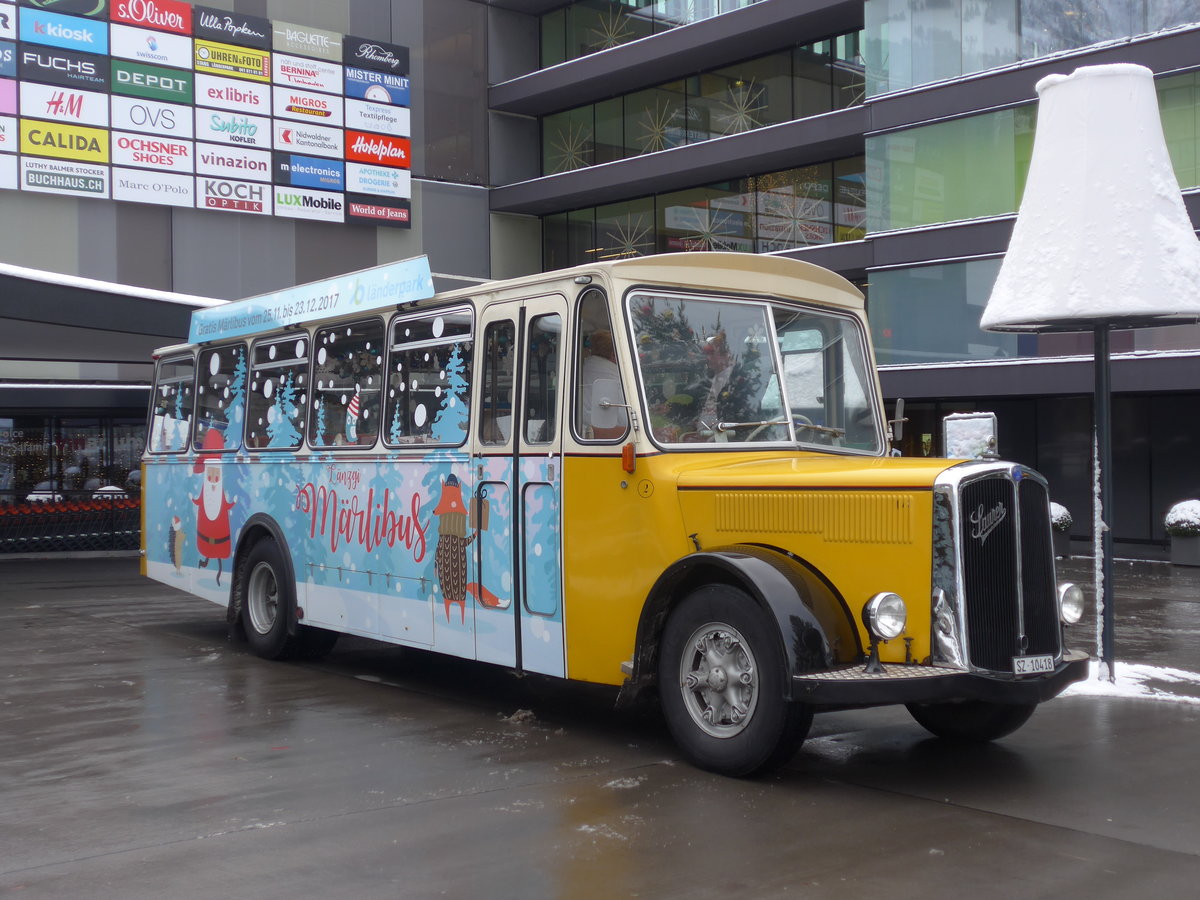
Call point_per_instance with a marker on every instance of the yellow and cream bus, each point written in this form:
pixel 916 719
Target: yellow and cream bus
pixel 667 473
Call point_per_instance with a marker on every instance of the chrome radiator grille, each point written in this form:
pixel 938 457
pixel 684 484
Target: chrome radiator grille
pixel 1007 571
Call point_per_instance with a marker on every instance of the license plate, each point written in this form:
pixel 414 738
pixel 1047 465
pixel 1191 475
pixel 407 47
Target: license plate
pixel 1029 665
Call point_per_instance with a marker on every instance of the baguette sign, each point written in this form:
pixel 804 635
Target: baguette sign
pixel 179 104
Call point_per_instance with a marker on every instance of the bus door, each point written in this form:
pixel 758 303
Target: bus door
pixel 517 501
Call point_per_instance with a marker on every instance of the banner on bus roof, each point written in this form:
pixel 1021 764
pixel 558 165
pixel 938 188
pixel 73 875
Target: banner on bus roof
pixel 358 292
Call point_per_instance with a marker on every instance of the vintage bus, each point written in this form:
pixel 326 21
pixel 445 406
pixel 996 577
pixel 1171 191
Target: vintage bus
pixel 670 472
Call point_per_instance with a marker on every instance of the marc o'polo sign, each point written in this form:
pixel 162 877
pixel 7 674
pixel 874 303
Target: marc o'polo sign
pixel 93 9
pixel 369 54
pixel 164 15
pixel 152 82
pixel 231 28
pixel 64 141
pixel 63 67
pixel 315 42
pixel 163 188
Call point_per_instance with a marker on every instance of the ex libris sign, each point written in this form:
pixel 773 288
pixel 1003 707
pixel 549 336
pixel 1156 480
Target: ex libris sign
pixel 358 292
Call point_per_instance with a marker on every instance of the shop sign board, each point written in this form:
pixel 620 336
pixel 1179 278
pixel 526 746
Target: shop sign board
pixel 300 137
pixel 139 114
pixel 165 15
pixel 48 101
pixel 54 176
pixel 8 96
pixel 314 42
pixel 307 74
pixel 8 21
pixel 379 180
pixel 233 162
pixel 378 211
pixel 65 67
pixel 378 149
pixel 149 151
pixel 94 9
pixel 309 171
pixel 364 53
pixel 298 203
pixel 378 117
pixel 68 32
pixel 231 27
pixel 8 173
pixel 227 195
pixel 155 47
pixel 232 61
pixel 152 82
pixel 378 87
pixel 8 59
pixel 227 93
pixel 9 135
pixel 163 188
pixel 303 106
pixel 64 141
pixel 237 129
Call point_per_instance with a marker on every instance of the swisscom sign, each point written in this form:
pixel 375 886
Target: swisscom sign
pixel 160 101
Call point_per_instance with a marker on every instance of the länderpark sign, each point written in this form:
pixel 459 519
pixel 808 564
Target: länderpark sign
pixel 359 292
pixel 171 103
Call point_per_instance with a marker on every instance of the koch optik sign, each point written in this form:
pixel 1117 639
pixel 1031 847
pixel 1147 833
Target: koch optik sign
pixel 174 104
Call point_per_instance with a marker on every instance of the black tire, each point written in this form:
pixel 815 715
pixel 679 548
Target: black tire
pixel 267 599
pixel 314 643
pixel 721 676
pixel 975 721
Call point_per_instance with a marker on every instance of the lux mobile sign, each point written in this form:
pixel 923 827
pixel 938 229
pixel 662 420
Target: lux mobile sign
pixel 365 291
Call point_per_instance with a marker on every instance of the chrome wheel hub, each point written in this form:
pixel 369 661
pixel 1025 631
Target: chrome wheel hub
pixel 718 678
pixel 262 598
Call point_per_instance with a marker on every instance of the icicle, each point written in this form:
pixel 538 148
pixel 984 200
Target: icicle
pixel 1104 671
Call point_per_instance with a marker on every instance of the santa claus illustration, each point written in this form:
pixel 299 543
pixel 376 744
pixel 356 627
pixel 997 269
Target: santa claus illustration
pixel 212 513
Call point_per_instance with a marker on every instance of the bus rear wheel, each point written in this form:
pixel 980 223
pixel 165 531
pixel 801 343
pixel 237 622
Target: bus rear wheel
pixel 267 599
pixel 976 721
pixel 721 678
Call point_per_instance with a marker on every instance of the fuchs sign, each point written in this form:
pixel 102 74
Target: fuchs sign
pixel 64 67
pixel 165 15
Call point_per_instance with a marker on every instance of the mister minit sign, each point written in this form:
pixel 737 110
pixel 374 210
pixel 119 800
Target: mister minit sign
pixel 169 103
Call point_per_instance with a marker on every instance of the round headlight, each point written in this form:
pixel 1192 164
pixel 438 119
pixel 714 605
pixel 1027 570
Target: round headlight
pixel 885 615
pixel 1070 602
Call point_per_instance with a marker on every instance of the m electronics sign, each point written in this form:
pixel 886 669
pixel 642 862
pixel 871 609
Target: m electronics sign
pixel 174 104
pixel 67 32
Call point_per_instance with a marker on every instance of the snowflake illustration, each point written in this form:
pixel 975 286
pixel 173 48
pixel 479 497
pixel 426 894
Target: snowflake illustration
pixel 611 30
pixel 710 229
pixel 657 126
pixel 572 147
pixel 629 237
pixel 741 108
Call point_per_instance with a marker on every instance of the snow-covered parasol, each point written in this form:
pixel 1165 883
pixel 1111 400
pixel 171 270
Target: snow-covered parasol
pixel 1102 240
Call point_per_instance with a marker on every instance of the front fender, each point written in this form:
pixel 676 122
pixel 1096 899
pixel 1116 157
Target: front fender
pixel 803 606
pixel 258 527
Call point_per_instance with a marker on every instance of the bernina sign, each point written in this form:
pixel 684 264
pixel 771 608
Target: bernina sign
pixel 165 15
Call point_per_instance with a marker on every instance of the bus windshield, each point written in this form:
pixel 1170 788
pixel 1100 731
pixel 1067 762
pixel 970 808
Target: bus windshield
pixel 753 372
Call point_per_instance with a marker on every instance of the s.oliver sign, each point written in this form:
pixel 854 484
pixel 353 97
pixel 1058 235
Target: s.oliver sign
pixel 165 15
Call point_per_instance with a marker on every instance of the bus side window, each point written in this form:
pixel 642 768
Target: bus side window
pixel 429 379
pixel 278 393
pixel 348 381
pixel 598 378
pixel 541 380
pixel 221 398
pixel 171 420
pixel 496 396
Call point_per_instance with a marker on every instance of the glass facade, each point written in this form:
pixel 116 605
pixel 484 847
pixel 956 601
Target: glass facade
pixel 976 166
pixel 793 84
pixel 589 26
pixel 908 43
pixel 816 204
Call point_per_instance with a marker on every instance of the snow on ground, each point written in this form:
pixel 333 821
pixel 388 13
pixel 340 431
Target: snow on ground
pixel 1139 681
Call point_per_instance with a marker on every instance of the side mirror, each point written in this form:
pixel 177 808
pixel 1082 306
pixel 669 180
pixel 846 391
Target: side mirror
pixel 897 424
pixel 607 408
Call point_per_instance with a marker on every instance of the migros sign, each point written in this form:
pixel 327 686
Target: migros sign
pixel 64 141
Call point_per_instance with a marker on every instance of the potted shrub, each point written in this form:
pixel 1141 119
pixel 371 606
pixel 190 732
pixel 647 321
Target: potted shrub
pixel 1183 526
pixel 1060 524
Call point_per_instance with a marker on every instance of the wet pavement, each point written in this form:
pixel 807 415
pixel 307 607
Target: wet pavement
pixel 144 755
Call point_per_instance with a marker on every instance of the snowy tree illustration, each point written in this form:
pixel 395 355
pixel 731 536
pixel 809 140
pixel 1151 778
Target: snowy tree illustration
pixel 450 424
pixel 236 411
pixel 396 429
pixel 319 432
pixel 281 430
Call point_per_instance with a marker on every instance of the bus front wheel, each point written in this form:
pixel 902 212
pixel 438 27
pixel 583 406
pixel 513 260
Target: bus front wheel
pixel 721 679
